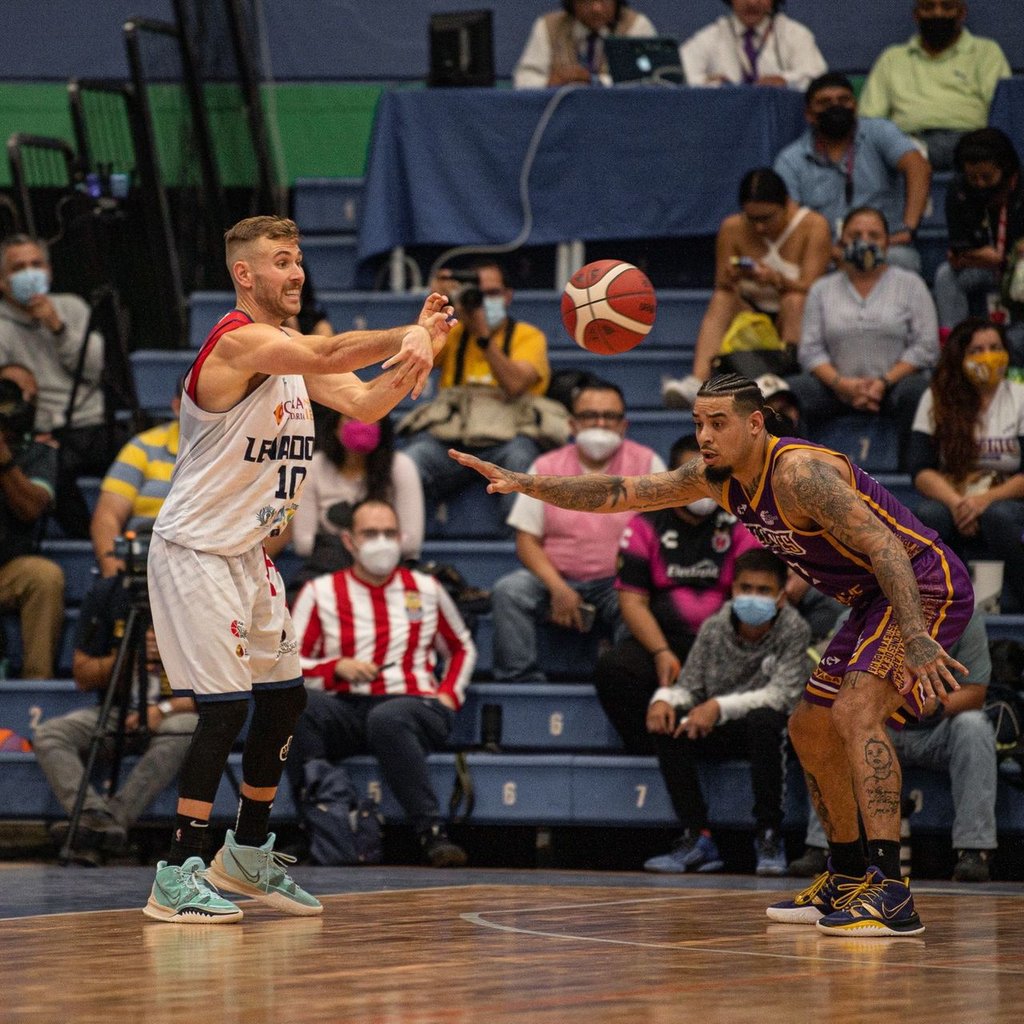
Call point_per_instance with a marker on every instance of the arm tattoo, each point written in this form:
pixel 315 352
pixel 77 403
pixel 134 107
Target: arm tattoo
pixel 600 493
pixel 817 490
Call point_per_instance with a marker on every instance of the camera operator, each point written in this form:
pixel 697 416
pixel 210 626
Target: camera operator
pixel 161 738
pixel 31 585
pixel 494 372
pixel 49 333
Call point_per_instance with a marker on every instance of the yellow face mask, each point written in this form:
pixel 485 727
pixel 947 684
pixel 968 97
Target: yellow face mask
pixel 985 368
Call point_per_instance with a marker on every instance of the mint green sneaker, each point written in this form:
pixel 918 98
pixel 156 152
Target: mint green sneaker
pixel 260 872
pixel 181 895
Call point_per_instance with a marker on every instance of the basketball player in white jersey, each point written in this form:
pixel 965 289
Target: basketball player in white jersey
pixel 217 600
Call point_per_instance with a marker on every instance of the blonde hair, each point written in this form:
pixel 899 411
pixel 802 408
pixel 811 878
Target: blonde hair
pixel 250 230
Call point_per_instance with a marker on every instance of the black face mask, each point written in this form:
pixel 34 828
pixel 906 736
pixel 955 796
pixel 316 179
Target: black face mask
pixel 836 122
pixel 938 33
pixel 989 195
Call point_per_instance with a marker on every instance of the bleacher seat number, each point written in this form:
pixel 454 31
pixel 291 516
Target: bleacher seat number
pixel 556 723
pixel 374 790
pixel 508 794
pixel 641 795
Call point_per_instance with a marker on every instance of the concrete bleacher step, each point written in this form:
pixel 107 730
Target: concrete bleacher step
pixel 678 319
pixel 327 205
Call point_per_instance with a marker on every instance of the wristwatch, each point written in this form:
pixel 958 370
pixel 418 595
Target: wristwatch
pixel 166 708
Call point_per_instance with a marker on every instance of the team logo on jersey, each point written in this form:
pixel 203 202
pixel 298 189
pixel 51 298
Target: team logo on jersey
pixel 782 542
pixel 240 651
pixel 413 606
pixel 238 629
pixel 740 509
pixel 266 514
pixel 721 541
pixel 292 409
pixel 769 518
pixel 287 647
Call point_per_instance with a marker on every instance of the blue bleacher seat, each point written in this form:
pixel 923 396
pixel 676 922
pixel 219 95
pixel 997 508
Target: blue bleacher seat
pixel 11 626
pixel 481 562
pixel 156 373
pixel 870 441
pixel 470 513
pixel 901 486
pixel 324 206
pixel 563 654
pixel 332 261
pixel 79 564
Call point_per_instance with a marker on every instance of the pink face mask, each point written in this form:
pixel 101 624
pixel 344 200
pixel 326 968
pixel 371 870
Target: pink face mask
pixel 360 438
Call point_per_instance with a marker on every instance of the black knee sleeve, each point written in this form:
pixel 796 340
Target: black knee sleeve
pixel 220 722
pixel 270 734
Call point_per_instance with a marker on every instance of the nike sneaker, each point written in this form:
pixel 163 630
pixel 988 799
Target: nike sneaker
pixel 827 893
pixel 259 872
pixel 181 895
pixel 884 906
pixel 690 853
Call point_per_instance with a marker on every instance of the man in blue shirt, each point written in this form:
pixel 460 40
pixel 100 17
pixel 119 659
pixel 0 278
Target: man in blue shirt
pixel 842 162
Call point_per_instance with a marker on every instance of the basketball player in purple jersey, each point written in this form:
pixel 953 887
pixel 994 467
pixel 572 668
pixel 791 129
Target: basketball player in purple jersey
pixel 909 597
pixel 217 600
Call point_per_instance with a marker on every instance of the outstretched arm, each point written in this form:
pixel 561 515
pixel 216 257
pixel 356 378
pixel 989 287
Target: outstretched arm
pixel 808 486
pixel 596 492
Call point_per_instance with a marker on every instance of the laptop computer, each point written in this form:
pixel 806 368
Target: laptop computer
pixel 637 61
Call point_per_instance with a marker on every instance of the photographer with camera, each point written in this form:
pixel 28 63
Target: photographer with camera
pixel 30 584
pixel 494 372
pixel 160 733
pixel 51 335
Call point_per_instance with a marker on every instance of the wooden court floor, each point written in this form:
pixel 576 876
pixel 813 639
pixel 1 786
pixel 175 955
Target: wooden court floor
pixel 472 948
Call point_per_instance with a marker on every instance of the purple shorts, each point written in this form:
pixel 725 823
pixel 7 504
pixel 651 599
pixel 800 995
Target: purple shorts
pixel 870 640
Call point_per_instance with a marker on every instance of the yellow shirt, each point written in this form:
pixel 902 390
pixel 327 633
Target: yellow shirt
pixel 528 345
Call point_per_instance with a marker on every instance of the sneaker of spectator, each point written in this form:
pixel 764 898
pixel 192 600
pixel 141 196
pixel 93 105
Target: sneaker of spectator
pixel 972 866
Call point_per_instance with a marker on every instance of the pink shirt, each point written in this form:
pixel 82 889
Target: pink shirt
pixel 582 546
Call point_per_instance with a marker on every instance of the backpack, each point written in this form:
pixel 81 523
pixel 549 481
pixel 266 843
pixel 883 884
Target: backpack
pixel 1004 702
pixel 342 828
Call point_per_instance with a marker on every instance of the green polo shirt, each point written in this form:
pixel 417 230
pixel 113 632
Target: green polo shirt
pixel 919 91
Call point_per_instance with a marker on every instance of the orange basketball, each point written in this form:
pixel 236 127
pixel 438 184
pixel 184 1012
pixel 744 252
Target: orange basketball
pixel 608 306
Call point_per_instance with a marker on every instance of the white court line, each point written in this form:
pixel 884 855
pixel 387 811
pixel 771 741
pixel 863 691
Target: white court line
pixel 479 918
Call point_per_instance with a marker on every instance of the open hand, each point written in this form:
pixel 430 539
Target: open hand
pixel 499 481
pixel 928 665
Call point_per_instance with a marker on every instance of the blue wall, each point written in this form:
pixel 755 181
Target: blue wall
pixel 387 39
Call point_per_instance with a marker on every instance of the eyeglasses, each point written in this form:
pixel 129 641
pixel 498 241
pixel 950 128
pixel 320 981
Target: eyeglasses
pixel 591 416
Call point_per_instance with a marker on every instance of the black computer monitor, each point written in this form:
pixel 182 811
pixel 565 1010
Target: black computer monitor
pixel 461 49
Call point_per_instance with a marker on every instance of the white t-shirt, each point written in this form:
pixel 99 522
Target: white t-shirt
pixel 999 430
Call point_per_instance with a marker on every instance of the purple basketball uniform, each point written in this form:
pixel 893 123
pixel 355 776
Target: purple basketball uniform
pixel 870 639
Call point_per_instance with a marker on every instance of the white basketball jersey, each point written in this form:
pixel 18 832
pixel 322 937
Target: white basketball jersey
pixel 239 473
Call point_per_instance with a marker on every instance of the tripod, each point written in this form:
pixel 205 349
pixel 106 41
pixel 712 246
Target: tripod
pixel 129 668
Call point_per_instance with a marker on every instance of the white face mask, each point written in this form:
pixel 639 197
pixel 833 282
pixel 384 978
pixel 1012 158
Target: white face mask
pixel 379 556
pixel 702 507
pixel 598 443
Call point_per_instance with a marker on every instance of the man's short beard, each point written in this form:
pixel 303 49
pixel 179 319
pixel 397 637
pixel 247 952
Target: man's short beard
pixel 717 474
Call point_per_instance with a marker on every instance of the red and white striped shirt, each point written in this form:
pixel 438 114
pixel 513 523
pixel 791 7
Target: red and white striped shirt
pixel 407 625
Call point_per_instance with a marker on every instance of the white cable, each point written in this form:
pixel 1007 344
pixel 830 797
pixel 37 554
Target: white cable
pixel 524 189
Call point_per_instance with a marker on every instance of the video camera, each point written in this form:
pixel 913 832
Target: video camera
pixel 469 296
pixel 17 417
pixel 133 549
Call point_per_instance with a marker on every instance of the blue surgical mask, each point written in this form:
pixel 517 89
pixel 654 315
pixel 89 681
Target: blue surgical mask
pixel 863 255
pixel 28 283
pixel 754 610
pixel 494 310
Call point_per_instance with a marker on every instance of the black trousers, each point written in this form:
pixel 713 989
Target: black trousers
pixel 760 737
pixel 625 681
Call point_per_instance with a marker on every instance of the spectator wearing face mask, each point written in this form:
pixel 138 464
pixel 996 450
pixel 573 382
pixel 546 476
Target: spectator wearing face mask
pixel 844 161
pixel 387 660
pixel 870 335
pixel 358 461
pixel 675 568
pixel 985 217
pixel 568 557
pixel 493 371
pixel 939 84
